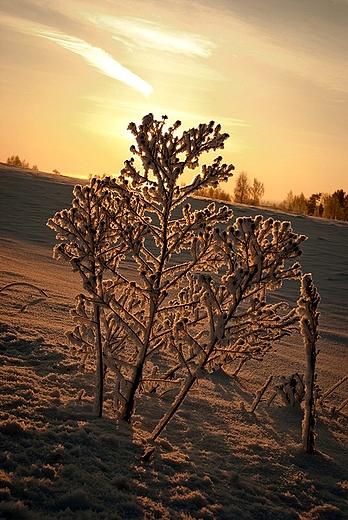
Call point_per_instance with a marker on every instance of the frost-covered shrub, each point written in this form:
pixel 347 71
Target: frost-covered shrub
pixel 170 292
pixel 92 245
pixel 309 320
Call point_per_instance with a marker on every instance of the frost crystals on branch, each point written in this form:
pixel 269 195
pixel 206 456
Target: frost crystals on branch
pixel 230 317
pixel 90 234
pixel 309 319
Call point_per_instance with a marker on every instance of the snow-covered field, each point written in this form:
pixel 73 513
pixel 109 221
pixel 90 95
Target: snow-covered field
pixel 215 460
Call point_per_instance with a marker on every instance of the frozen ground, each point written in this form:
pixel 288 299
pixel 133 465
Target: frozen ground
pixel 214 461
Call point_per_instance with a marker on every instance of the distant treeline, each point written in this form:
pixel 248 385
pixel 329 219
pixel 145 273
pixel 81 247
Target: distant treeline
pixel 244 192
pixel 324 205
pixel 17 162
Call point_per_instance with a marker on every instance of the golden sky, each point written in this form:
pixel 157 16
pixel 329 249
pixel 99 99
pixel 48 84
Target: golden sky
pixel 274 73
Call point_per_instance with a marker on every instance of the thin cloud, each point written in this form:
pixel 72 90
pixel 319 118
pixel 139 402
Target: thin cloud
pixel 153 36
pixel 99 59
pixel 95 56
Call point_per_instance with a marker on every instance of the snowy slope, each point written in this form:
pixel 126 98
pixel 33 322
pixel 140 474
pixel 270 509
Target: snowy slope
pixel 215 460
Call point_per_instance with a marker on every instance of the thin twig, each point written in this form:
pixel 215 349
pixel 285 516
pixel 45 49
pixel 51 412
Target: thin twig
pixel 259 395
pixel 332 388
pixel 23 283
pixel 342 405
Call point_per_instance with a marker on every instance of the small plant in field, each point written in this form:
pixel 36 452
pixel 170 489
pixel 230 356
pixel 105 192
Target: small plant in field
pixel 291 390
pixel 171 293
pixel 309 319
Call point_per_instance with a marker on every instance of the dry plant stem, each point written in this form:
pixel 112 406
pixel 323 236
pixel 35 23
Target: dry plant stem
pixel 259 395
pixel 190 381
pixel 309 419
pixel 332 388
pixel 271 398
pixel 239 367
pixel 309 318
pixel 99 385
pixel 342 405
pixel 129 408
pixel 25 284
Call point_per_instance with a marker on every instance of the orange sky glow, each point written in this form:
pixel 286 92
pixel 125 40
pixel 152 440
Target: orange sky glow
pixel 274 74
